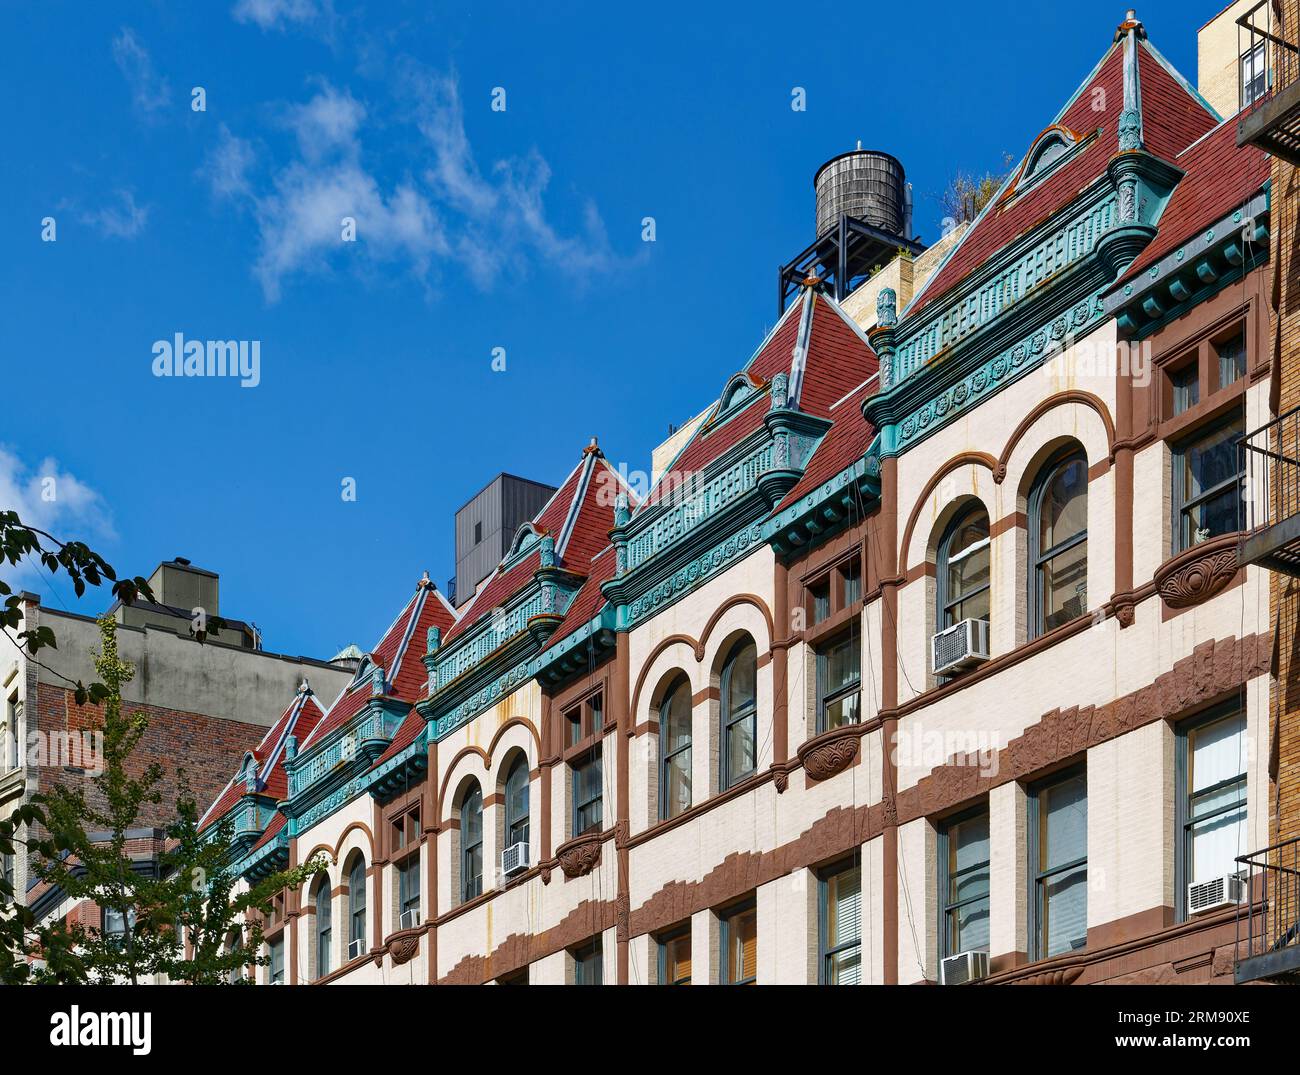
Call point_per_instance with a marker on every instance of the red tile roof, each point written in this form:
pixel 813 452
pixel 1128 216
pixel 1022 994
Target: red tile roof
pixel 1221 176
pixel 579 516
pixel 1172 118
pixel 398 653
pixel 303 715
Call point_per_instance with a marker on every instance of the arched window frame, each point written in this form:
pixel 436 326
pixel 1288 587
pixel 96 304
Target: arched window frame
pixel 471 844
pixel 1039 557
pixel 516 802
pixel 357 904
pixel 736 715
pixel 668 755
pixel 943 599
pixel 324 928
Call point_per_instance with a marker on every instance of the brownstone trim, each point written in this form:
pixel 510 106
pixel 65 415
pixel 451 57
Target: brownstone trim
pixel 979 459
pixel 1061 399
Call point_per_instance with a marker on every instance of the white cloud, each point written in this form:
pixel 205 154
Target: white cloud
pixel 269 14
pixel 121 221
pixel 228 164
pixel 51 499
pixel 327 123
pixel 150 92
pixel 452 211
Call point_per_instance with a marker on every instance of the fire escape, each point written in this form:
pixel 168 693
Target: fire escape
pixel 1268 918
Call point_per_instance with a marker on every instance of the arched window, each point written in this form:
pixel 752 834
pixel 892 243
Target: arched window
pixel 517 803
pixel 675 751
pixel 471 844
pixel 1058 543
pixel 739 709
pixel 324 930
pixel 963 576
pixel 357 908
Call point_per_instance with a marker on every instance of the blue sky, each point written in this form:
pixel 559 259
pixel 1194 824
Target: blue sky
pixel 476 229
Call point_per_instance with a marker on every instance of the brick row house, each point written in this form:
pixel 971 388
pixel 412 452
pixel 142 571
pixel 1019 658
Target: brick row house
pixel 928 657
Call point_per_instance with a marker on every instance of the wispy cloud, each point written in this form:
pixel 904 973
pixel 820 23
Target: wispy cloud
pixel 444 209
pixel 272 14
pixel 123 220
pixel 150 92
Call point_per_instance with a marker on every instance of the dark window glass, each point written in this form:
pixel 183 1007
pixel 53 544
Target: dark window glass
pixel 1232 359
pixel 517 803
pixel 357 901
pixel 587 793
pixel 408 892
pixel 275 969
pixel 965 885
pixel 838 679
pixel 1186 387
pixel 471 845
pixel 588 964
pixel 675 751
pixel 324 930
pixel 739 714
pixel 1059 544
pixel 852 576
pixel 821 595
pixel 1208 485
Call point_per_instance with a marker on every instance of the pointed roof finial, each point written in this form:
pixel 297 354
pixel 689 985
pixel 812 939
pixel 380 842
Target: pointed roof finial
pixel 592 449
pixel 1131 22
pixel 812 279
pixel 304 687
pixel 425 581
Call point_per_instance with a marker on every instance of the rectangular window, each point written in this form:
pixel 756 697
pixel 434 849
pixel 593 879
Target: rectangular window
pixel 408 892
pixel 1254 74
pixel 1232 359
pixel 821 601
pixel 588 964
pixel 840 931
pixel 851 580
pixel 964 885
pixel 406 830
pixel 478 533
pixel 1058 865
pixel 1208 484
pixel 1186 386
pixel 740 946
pixel 838 676
pixel 675 958
pixel 587 789
pixel 275 969
pixel 115 924
pixel 7 874
pixel 1211 797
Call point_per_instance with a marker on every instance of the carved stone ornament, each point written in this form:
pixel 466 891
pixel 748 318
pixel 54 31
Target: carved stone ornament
pixel 829 753
pixel 403 945
pixel 580 855
pixel 1062 976
pixel 1198 573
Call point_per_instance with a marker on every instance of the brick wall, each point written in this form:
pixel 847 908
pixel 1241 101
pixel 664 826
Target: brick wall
pixel 1286 590
pixel 207 748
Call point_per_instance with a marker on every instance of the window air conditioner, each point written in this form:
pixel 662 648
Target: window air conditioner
pixel 409 919
pixel 356 949
pixel 1215 894
pixel 960 646
pixel 965 966
pixel 514 859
